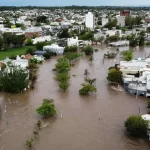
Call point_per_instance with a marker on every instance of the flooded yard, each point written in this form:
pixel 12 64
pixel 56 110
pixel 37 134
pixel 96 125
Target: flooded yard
pixel 94 122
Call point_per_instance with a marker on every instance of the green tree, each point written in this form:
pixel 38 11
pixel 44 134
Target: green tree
pixel 148 29
pixel 88 50
pixel 72 56
pixel 29 41
pixel 112 38
pixel 86 89
pixel 89 35
pixel 127 55
pixel 2 44
pixel 42 19
pixel 133 40
pixel 136 126
pixel 47 108
pixel 29 143
pixel 141 38
pixel 33 67
pixel 40 45
pixel 111 24
pixel 64 85
pixel 64 34
pixel 14 79
pixel 62 77
pixel 73 48
pixel 30 51
pixel 115 75
pixel 62 66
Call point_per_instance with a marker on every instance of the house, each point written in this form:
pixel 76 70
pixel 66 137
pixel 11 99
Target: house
pixel 33 32
pixel 41 39
pixel 136 76
pixel 54 48
pixel 72 41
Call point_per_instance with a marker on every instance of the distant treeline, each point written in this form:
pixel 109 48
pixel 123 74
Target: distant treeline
pixel 3 8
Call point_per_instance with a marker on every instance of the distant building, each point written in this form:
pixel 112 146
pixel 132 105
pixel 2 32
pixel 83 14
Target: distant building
pixel 33 32
pixel 104 21
pixel 121 21
pixel 89 20
pixel 72 41
pixel 126 13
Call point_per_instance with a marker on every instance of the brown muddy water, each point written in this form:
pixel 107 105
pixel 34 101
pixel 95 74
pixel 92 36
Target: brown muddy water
pixel 94 122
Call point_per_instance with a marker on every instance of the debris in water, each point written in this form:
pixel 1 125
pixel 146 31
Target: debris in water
pixel 45 125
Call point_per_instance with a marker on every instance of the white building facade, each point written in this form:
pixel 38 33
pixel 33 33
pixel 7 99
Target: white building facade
pixel 89 20
pixel 104 21
pixel 121 21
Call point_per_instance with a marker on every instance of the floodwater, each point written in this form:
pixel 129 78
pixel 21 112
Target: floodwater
pixel 94 122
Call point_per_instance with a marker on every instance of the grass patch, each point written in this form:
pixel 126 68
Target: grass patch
pixel 14 52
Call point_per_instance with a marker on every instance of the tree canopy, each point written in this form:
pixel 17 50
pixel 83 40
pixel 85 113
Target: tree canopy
pixel 136 126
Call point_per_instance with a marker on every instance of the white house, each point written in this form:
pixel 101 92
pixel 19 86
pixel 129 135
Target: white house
pixel 54 48
pixel 41 39
pixel 72 41
pixel 89 20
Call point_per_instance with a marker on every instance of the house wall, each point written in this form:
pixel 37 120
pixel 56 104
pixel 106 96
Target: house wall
pixel 72 41
pixel 104 21
pixel 121 21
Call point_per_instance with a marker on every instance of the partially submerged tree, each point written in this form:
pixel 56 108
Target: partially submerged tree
pixel 47 108
pixel 88 87
pixel 127 55
pixel 14 79
pixel 29 143
pixel 88 50
pixel 115 75
pixel 62 68
pixel 136 126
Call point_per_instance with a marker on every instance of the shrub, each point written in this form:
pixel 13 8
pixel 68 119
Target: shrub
pixel 29 41
pixel 29 143
pixel 13 57
pixel 62 77
pixel 72 56
pixel 46 55
pixel 64 85
pixel 115 75
pixel 47 108
pixel 127 55
pixel 40 45
pixel 147 43
pixel 62 66
pixel 14 80
pixel 30 51
pixel 86 89
pixel 136 126
pixel 88 50
pixel 71 49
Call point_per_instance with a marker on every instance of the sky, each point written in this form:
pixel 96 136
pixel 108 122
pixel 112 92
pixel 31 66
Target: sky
pixel 74 2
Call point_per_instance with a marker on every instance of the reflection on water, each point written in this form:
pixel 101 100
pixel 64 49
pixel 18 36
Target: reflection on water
pixel 94 122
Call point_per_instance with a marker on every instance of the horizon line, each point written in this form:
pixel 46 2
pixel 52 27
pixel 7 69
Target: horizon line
pixel 75 5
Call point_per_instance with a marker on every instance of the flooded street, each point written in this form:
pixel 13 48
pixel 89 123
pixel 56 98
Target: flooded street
pixel 94 122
